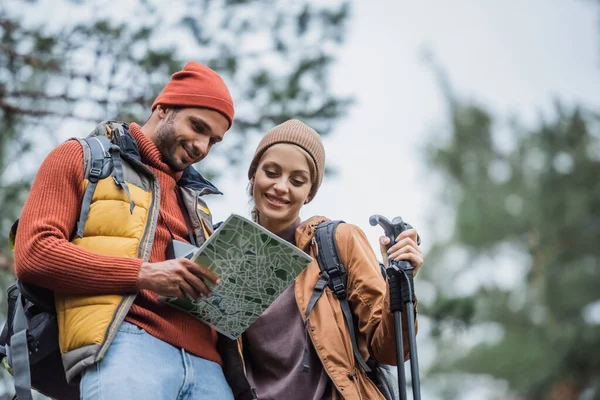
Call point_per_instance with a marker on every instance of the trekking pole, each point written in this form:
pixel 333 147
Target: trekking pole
pixel 400 278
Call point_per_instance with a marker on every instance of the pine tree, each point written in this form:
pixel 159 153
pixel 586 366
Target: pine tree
pixel 528 200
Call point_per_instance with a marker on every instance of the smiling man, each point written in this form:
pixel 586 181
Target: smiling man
pixel 116 337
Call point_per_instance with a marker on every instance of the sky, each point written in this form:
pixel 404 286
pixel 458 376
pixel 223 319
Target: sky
pixel 515 58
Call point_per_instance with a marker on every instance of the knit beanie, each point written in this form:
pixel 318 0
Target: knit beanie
pixel 197 86
pixel 293 132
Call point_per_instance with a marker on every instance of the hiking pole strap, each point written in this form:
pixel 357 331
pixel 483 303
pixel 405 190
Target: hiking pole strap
pixel 19 353
pixel 395 286
pixel 414 359
pixel 400 355
pixel 407 282
pixel 396 306
pixel 408 293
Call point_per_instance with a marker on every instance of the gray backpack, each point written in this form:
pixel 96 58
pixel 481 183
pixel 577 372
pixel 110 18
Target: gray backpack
pixel 29 347
pixel 333 275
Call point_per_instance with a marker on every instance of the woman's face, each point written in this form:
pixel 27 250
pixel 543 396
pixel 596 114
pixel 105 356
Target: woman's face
pixel 281 186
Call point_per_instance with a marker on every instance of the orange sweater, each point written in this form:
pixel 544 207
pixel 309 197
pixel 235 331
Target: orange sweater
pixel 45 257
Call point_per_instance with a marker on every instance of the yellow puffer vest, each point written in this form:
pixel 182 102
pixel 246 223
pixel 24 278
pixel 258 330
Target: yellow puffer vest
pixel 87 324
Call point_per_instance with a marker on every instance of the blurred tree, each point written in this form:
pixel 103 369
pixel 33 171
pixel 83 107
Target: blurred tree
pixel 61 75
pixel 527 200
pixel 101 63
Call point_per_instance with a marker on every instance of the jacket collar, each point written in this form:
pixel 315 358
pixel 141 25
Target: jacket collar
pixel 190 177
pixel 306 231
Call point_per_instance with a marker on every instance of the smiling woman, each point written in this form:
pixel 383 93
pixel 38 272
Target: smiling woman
pixel 281 185
pixel 285 173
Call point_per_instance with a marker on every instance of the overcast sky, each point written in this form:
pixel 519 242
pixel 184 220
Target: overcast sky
pixel 514 57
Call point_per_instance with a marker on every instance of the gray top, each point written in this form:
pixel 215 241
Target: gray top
pixel 274 348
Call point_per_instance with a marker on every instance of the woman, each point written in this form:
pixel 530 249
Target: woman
pixel 285 173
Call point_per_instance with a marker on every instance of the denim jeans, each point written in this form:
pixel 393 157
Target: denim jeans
pixel 140 366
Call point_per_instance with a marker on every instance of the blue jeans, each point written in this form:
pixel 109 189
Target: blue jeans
pixel 140 366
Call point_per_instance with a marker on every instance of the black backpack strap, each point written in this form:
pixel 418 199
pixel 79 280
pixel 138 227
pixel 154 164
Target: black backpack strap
pixel 334 275
pixel 104 158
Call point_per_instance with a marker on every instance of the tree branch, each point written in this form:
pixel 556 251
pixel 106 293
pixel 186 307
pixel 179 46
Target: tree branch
pixel 35 62
pixel 9 108
pixel 39 94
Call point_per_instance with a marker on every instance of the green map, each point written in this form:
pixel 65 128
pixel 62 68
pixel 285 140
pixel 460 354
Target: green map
pixel 255 267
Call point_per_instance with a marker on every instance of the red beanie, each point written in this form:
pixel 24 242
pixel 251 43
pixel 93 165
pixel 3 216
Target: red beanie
pixel 197 86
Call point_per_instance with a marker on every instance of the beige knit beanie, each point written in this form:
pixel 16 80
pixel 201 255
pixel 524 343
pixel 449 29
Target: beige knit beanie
pixel 302 135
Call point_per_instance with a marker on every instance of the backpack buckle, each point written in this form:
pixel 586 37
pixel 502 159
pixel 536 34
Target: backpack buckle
pixel 95 173
pixel 95 170
pixel 339 288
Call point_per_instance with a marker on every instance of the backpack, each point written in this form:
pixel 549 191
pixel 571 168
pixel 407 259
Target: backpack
pixel 29 347
pixel 333 275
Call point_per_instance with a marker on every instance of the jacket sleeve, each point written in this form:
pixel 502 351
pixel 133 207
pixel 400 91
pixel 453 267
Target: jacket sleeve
pixel 368 295
pixel 44 255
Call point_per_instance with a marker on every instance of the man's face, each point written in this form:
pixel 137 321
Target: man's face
pixel 185 136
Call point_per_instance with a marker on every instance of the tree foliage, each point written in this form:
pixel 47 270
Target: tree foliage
pixel 527 199
pixel 60 76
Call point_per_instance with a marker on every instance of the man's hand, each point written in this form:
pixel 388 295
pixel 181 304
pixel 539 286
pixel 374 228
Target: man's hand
pixel 405 248
pixel 179 277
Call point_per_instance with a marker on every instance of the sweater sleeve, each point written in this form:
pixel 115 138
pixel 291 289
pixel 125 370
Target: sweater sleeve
pixel 44 256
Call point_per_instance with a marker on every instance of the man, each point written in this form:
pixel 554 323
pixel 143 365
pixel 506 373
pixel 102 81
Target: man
pixel 115 334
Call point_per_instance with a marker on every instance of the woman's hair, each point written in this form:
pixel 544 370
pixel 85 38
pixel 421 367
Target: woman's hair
pixel 312 168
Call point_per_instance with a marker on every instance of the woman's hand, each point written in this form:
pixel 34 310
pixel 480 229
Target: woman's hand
pixel 405 248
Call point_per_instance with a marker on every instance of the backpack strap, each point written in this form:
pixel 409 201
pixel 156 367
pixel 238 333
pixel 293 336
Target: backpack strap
pixel 334 275
pixel 104 160
pixel 17 352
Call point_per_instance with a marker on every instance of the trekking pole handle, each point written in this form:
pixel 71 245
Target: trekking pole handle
pixel 391 229
pixel 400 274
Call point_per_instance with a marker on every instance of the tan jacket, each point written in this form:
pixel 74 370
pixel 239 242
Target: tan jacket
pixel 369 300
pixel 370 303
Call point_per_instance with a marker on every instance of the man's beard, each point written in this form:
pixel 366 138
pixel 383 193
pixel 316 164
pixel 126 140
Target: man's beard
pixel 166 143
